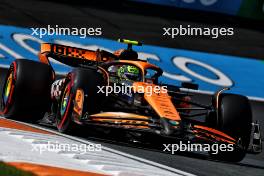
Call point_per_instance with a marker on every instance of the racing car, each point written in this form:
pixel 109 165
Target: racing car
pixel 85 96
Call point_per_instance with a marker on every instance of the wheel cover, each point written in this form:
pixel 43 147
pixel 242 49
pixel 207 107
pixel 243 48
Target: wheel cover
pixel 7 89
pixel 64 102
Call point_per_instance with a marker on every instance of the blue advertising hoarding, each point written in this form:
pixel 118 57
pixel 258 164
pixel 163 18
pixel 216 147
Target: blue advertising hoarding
pixel 210 71
pixel 221 6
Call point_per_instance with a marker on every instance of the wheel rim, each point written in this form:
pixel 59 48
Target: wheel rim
pixel 7 89
pixel 64 102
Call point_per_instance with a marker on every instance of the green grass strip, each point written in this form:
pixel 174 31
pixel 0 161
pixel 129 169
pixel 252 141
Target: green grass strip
pixel 7 170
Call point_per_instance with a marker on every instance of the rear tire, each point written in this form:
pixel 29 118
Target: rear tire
pixel 26 91
pixel 87 80
pixel 234 118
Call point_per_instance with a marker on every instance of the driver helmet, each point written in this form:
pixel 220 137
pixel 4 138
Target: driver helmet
pixel 128 72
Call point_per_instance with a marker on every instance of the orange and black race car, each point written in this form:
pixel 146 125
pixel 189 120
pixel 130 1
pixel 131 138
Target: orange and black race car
pixel 118 90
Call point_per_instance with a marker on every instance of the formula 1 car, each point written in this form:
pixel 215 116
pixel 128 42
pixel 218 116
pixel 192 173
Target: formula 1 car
pixel 87 96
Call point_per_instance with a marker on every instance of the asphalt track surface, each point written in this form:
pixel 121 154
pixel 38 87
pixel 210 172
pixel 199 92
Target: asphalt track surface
pixel 147 28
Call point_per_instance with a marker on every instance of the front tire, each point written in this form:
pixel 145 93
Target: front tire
pixel 234 118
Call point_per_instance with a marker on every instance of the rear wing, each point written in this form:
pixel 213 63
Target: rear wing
pixel 73 56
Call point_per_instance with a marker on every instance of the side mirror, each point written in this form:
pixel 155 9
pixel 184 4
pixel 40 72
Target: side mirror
pixel 188 85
